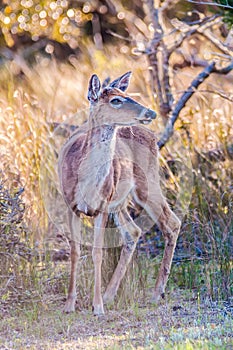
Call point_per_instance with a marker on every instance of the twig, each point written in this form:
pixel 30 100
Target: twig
pixel 206 22
pixel 203 29
pixel 168 4
pixel 186 96
pixel 189 61
pixel 159 61
pixel 212 38
pixel 224 70
pixel 221 94
pixel 109 31
pixel 227 6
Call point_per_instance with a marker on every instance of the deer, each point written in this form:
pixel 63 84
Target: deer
pixel 104 165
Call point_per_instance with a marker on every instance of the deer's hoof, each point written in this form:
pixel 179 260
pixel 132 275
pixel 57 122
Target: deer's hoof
pixel 98 310
pixel 69 306
pixel 156 297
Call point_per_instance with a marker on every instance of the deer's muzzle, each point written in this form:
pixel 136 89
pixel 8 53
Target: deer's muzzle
pixel 147 116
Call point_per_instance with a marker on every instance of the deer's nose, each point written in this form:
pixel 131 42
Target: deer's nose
pixel 150 114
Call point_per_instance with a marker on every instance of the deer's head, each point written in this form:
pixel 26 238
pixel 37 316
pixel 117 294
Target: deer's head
pixel 111 105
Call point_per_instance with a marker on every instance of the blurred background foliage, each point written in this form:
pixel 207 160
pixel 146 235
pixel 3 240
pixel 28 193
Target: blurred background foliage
pixel 67 22
pixel 48 51
pixel 72 23
pixel 226 11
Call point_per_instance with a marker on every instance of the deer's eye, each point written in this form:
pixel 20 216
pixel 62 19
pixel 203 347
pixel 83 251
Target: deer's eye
pixel 116 102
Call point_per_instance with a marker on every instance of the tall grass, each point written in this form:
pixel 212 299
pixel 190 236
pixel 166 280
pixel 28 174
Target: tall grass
pixel 207 235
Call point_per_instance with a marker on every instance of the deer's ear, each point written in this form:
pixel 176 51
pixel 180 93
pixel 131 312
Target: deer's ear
pixel 94 89
pixel 122 83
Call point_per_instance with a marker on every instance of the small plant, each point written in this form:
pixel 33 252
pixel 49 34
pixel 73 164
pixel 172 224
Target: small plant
pixel 15 248
pixel 12 228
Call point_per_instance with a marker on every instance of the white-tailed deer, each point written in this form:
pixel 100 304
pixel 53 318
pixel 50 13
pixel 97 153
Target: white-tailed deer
pixel 106 163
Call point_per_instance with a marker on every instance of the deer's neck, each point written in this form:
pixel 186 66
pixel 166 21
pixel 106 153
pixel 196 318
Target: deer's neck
pixel 101 143
pixel 102 139
pixel 96 167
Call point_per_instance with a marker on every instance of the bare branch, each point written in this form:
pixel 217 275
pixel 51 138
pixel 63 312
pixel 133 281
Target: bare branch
pixel 209 35
pixel 227 6
pixel 190 62
pixel 201 28
pixel 109 31
pixel 219 93
pixel 152 55
pixel 159 61
pixel 211 68
pixel 168 4
pixel 224 70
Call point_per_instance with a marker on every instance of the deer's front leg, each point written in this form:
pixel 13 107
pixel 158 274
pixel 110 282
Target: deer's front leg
pixel 97 252
pixel 130 233
pixel 75 228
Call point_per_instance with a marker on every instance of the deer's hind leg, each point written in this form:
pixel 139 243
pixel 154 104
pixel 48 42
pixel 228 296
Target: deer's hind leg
pixel 130 233
pixel 169 224
pixel 75 228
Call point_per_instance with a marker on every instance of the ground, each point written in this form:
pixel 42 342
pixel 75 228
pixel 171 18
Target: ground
pixel 181 321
